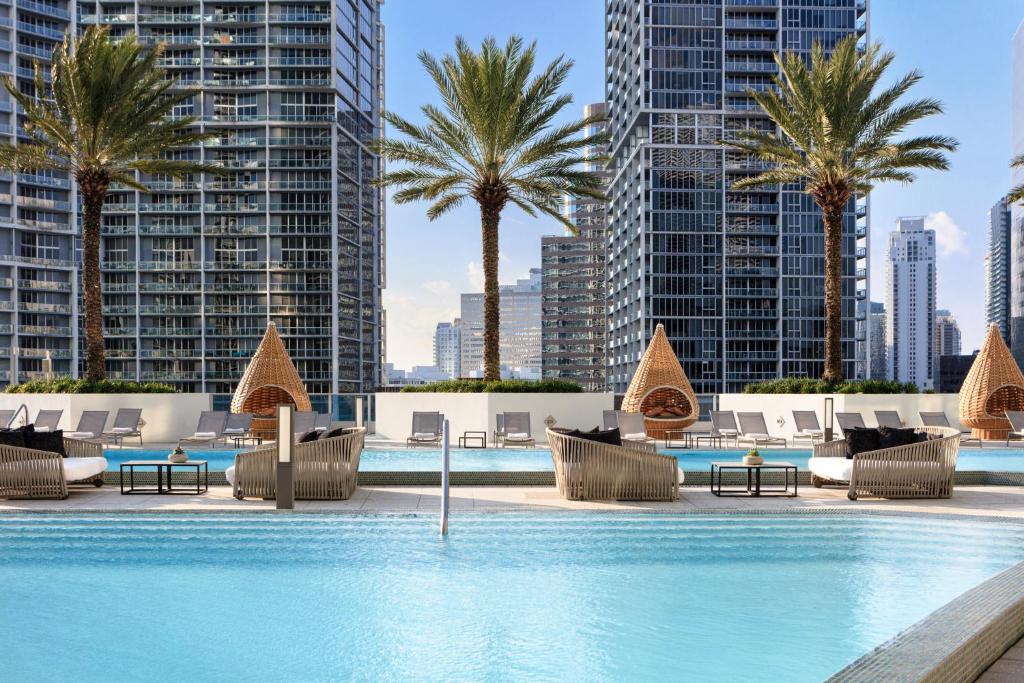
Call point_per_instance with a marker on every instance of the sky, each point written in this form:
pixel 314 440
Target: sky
pixel 430 263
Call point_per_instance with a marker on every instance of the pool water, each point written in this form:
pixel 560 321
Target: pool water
pixel 539 460
pixel 506 598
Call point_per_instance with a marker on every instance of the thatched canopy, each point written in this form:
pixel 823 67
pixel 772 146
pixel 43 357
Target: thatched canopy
pixel 269 380
pixel 660 390
pixel 994 385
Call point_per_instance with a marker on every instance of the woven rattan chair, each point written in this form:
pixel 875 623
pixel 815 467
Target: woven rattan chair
pixel 517 430
pixel 28 473
pixel 47 420
pixel 127 423
pixel 209 430
pixel 723 424
pixel 919 470
pixel 993 386
pixel 940 420
pixel 325 469
pixel 850 421
pixel 660 390
pixel 807 427
pixel 426 429
pixel 754 431
pixel 588 470
pixel 269 380
pixel 90 425
pixel 888 418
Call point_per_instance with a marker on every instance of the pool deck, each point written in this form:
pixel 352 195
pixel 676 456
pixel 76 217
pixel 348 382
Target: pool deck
pixel 986 501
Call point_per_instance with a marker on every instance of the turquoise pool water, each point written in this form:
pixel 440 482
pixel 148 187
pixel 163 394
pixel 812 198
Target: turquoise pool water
pixel 505 598
pixel 531 460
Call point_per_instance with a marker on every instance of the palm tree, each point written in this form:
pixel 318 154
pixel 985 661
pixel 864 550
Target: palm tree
pixel 1017 193
pixel 495 142
pixel 839 140
pixel 108 119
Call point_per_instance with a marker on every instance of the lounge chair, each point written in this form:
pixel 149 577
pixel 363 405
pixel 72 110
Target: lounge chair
pixel 1016 419
pixel 322 422
pixel 807 427
pixel 5 418
pixel 28 473
pixel 126 424
pixel 940 420
pixel 753 430
pixel 209 430
pixel 499 428
pixel 609 419
pixel 47 420
pixel 325 469
pixel 588 470
pixel 850 421
pixel 517 430
pixel 303 422
pixel 919 470
pixel 631 426
pixel 426 429
pixel 237 428
pixel 888 418
pixel 90 425
pixel 723 424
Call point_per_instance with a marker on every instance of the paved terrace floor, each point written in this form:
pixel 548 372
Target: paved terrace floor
pixel 992 501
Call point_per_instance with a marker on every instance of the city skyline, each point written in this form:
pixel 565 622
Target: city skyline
pixel 955 203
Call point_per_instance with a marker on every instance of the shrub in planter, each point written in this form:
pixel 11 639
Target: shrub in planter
pixel 505 386
pixel 70 385
pixel 806 385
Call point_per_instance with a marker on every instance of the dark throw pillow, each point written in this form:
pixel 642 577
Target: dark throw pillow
pixel 610 436
pixel 891 437
pixel 12 437
pixel 52 442
pixel 311 435
pixel 331 433
pixel 861 440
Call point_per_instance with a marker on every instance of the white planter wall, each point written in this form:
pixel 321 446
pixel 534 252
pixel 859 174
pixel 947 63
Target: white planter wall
pixel 776 406
pixel 168 417
pixel 477 411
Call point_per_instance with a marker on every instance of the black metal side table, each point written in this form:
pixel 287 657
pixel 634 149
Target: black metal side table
pixel 480 438
pixel 684 437
pixel 165 487
pixel 754 487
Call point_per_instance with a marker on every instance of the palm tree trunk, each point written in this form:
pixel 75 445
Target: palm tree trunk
pixel 489 218
pixel 94 190
pixel 833 216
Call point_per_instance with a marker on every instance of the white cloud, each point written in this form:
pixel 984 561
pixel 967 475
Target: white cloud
pixel 475 275
pixel 437 286
pixel 949 238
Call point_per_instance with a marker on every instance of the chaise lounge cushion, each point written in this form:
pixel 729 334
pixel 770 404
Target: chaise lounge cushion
pixel 861 440
pixel 891 437
pixel 835 469
pixel 229 474
pixel 51 442
pixel 77 469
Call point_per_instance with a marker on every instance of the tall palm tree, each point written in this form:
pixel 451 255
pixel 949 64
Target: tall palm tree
pixel 839 139
pixel 495 142
pixel 1017 193
pixel 106 117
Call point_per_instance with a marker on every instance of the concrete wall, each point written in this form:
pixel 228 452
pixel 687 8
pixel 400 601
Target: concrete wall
pixel 167 417
pixel 778 408
pixel 477 411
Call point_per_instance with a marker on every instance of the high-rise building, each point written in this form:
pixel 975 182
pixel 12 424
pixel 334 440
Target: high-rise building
pixel 575 303
pixel 876 331
pixel 293 231
pixel 997 269
pixel 736 277
pixel 1017 210
pixel 947 334
pixel 448 348
pixel 910 303
pixel 519 333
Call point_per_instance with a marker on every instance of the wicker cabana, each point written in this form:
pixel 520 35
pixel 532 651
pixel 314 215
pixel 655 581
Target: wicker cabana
pixel 269 380
pixel 994 385
pixel 660 390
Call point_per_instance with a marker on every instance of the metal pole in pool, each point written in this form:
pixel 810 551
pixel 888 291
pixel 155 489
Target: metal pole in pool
pixel 445 465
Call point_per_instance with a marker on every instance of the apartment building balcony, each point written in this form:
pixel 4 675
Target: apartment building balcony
pixel 236 185
pixel 301 82
pixel 171 40
pixel 192 354
pixel 117 229
pixel 172 186
pixel 171 376
pixel 236 331
pixel 299 39
pixel 751 250
pixel 752 355
pixel 45 330
pixel 300 265
pixel 225 39
pixel 220 309
pixel 751 271
pixel 240 207
pixel 235 265
pixel 741 66
pixel 7 283
pixel 38 261
pixel 741 88
pixel 751 334
pixel 751 44
pixel 48 226
pixel 235 230
pixel 752 4
pixel 752 230
pixel 751 207
pixel 44 10
pixel 234 141
pixel 751 313
pixel 44 180
pixel 861 294
pixel 300 141
pixel 150 287
pixel 167 207
pixel 230 83
pixel 299 61
pixel 59 354
pixel 165 265
pixel 41 31
pixel 752 23
pixel 6 306
pixel 119 331
pixel 178 62
pixel 170 332
pixel 34 307
pixel 752 292
pixel 120 207
pixel 6 329
pixel 289 207
pixel 36 52
pixel 299 17
pixel 42 285
pixel 167 18
pixel 168 309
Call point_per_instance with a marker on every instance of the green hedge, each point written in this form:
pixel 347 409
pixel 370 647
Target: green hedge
pixel 69 385
pixel 794 385
pixel 505 386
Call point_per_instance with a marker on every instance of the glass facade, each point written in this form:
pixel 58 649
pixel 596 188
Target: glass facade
pixel 293 231
pixel 736 277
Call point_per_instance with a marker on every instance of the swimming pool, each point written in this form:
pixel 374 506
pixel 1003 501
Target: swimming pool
pixel 506 597
pixel 539 460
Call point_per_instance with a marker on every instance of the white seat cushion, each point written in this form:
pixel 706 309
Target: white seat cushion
pixel 76 469
pixel 810 432
pixel 636 436
pixel 757 435
pixel 424 435
pixel 234 430
pixel 728 432
pixel 518 436
pixel 204 435
pixel 837 469
pixel 230 474
pixel 80 435
pixel 122 430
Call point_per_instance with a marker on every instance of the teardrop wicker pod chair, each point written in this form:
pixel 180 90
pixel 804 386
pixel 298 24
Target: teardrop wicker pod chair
pixel 993 385
pixel 660 390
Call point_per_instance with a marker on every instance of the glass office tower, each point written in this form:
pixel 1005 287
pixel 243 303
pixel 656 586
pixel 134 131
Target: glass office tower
pixel 736 277
pixel 293 231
